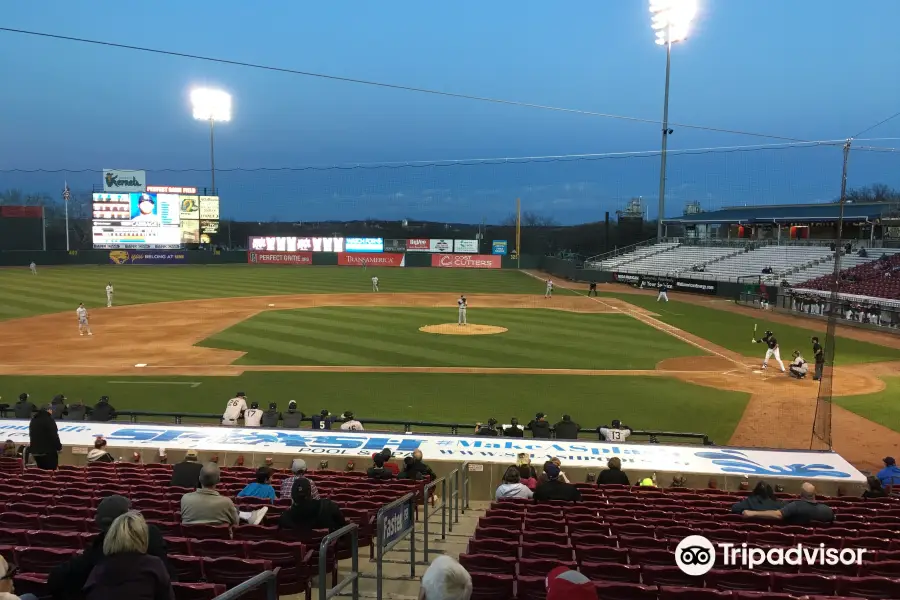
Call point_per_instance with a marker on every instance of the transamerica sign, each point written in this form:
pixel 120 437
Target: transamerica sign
pixel 120 180
pixel 466 261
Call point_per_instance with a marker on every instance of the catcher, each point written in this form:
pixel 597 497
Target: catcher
pixel 799 368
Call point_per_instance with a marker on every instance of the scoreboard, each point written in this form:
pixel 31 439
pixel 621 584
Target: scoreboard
pixel 148 220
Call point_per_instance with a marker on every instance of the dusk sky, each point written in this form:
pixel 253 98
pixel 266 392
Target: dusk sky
pixel 802 69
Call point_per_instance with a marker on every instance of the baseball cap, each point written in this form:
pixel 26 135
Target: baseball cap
pixel 110 508
pixel 551 470
pixel 566 584
pixel 298 465
pixel 273 405
pixel 539 415
pixel 292 403
pixel 301 490
pixel 190 454
pixel 889 461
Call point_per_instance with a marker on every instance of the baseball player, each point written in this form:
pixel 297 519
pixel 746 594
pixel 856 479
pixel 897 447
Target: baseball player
pixel 253 415
pixel 549 292
pixel 769 339
pixel 364 262
pixel 33 268
pixel 109 294
pixel 663 293
pixel 462 304
pixel 799 368
pixel 234 409
pixel 374 284
pixel 83 325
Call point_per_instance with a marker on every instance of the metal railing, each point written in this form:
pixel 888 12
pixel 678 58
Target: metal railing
pixel 386 543
pixel 266 578
pixel 465 486
pixel 617 251
pixel 353 578
pixel 427 514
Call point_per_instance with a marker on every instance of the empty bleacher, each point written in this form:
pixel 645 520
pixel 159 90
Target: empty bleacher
pixel 611 264
pixel 678 260
pixel 782 259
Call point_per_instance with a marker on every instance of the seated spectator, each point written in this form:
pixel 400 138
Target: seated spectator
pixel 566 584
pixel 678 481
pixel 75 411
pixel 513 429
pixel 58 407
pixel 762 498
pixel 127 571
pixel 9 450
pixel 7 591
pixel 186 474
pixel 207 506
pixel 99 452
pixel 392 467
pixel 512 486
pixel 613 474
pixel 539 426
pixel 525 478
pixel 542 478
pixel 407 472
pixel 890 475
pixel 523 459
pixel 489 429
pixel 350 423
pixel 307 514
pixel 67 579
pixel 419 468
pixel 567 429
pixel 377 471
pixel 554 489
pixel 24 408
pixel 445 579
pixel 103 411
pixel 799 512
pixel 875 489
pixel 270 417
pixel 298 468
pixel 261 488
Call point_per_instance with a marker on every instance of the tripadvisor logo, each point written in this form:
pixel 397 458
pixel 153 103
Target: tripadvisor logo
pixel 113 180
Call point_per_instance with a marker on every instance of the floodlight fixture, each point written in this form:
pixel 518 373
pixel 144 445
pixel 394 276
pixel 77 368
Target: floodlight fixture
pixel 211 105
pixel 671 19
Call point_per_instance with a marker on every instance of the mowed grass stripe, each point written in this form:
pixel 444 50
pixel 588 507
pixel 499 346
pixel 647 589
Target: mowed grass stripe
pixel 272 346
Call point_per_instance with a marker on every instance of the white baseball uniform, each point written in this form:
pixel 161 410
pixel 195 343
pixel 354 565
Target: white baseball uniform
pixel 663 294
pixel 33 268
pixel 109 295
pixel 233 411
pixel 374 284
pixel 461 303
pixel 83 325
pixel 253 417
pixel 549 291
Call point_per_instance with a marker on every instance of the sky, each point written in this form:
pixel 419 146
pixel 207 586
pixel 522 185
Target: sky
pixel 803 69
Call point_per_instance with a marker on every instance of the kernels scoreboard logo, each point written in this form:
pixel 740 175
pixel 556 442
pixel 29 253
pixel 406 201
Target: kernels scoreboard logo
pixel 115 180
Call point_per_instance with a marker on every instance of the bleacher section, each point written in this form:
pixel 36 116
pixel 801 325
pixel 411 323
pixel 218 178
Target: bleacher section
pixel 611 264
pixel 678 260
pixel 782 259
pixel 870 276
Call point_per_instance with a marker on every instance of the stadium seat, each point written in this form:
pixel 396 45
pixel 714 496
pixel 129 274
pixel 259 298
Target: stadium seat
pixel 531 587
pixel 738 580
pixel 203 531
pixel 188 568
pixel 234 571
pixel 539 567
pixel 488 563
pixel 490 586
pixel 197 591
pixel 41 560
pixel 624 591
pixel 294 560
pixel 868 587
pixel 611 572
pixel 803 584
pixel 689 593
pixel 72 540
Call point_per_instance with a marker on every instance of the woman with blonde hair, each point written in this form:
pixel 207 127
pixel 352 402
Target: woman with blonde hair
pixel 127 571
pixel 523 459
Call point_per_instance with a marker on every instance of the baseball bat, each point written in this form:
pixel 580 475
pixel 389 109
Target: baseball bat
pixel 753 339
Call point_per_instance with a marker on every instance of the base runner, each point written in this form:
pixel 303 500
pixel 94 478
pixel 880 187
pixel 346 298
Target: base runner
pixel 772 351
pixel 462 304
pixel 83 325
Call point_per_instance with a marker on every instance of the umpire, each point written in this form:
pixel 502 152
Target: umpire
pixel 819 355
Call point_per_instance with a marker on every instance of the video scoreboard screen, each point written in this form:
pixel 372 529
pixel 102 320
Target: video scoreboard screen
pixel 153 220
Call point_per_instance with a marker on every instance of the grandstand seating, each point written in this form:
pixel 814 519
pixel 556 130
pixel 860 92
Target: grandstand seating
pixel 616 262
pixel 782 259
pixel 48 516
pixel 864 279
pixel 679 259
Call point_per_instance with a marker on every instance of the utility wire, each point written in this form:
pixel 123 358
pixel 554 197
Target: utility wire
pixel 878 124
pixel 390 85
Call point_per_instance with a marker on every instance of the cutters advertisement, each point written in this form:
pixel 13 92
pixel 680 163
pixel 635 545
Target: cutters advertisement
pixel 466 261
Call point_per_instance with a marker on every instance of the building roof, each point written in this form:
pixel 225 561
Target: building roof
pixel 787 213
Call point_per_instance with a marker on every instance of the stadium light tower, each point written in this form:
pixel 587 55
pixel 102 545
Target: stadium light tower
pixel 211 105
pixel 671 19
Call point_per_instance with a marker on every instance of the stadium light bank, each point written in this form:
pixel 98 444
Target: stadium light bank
pixel 211 105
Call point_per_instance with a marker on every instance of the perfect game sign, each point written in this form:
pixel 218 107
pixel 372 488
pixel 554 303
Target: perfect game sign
pixel 676 284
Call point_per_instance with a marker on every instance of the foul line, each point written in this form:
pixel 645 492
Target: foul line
pixel 193 384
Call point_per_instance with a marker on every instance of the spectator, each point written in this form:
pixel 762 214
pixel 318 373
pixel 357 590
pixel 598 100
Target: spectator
pixel 298 468
pixel 489 429
pixel 392 467
pixel 542 478
pixel 271 416
pixel 512 486
pixel 554 489
pixel 350 424
pixel 67 579
pixel 799 512
pixel 206 505
pixel 253 415
pixel 513 429
pixel 875 490
pixel 419 469
pixel 292 418
pixel 127 571
pixel 566 584
pixel 678 481
pixel 186 474
pixel 613 473
pixel 539 426
pixel 24 408
pixel 58 407
pixel 408 472
pixel 75 412
pixel 890 475
pixel 445 579
pixel 103 411
pixel 523 459
pixel 762 498
pixel 261 488
pixel 378 471
pixel 44 439
pixel 525 477
pixel 567 429
pixel 306 513
pixel 99 453
pixel 9 450
pixel 7 572
pixel 323 420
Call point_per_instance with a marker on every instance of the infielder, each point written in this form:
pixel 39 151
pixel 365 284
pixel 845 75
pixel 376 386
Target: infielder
pixel 772 343
pixel 799 368
pixel 462 304
pixel 109 294
pixel 374 284
pixel 83 324
pixel 549 292
pixel 663 294
pixel 33 268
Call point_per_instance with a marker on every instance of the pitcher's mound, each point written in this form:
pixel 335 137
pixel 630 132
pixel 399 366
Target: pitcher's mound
pixel 470 329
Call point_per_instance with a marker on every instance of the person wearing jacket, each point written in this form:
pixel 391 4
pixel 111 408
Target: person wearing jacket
pixel 75 412
pixel 67 579
pixel 271 416
pixel 103 411
pixel 99 452
pixel 762 498
pixel 539 426
pixel 377 471
pixel 567 429
pixel 293 417
pixel 512 486
pixel 613 474
pixel 127 570
pixel 24 408
pixel 418 469
pixel 890 475
pixel 306 514
pixel 44 440
pixel 58 407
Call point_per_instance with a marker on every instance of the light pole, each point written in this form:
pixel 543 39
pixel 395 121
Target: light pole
pixel 671 19
pixel 211 105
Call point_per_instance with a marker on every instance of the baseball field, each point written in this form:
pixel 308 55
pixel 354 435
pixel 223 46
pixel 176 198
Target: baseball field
pixel 186 338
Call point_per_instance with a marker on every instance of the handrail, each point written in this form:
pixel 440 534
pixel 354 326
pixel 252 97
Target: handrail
pixel 426 493
pixel 618 251
pixel 382 548
pixel 266 578
pixel 353 578
pixel 465 486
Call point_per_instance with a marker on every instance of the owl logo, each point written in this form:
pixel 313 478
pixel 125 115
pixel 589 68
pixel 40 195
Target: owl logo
pixel 119 257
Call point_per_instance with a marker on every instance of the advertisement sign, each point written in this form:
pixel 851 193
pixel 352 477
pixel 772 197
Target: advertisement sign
pixel 440 246
pixel 21 212
pixel 708 460
pixel 355 244
pixel 279 258
pixel 172 189
pixel 466 261
pixel 398 521
pixel 395 245
pixel 499 247
pixel 371 260
pixel 209 227
pixel 123 180
pixel 141 257
pixel 418 245
pixel 296 244
pixel 190 232
pixel 209 207
pixel 467 246
pixel 190 207
pixel 136 220
pixel 694 286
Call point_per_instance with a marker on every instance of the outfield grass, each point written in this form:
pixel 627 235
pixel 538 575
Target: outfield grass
pixel 734 331
pixel 882 408
pixel 62 288
pixel 536 338
pixel 641 402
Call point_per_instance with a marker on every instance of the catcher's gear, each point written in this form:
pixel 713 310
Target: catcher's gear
pixel 796 353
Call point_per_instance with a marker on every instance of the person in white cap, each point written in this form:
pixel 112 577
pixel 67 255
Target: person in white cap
pixel 298 468
pixel 445 579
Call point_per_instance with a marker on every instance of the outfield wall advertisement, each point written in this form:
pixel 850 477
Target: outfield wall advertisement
pixel 678 284
pixel 357 259
pixel 280 258
pixel 296 244
pixel 139 257
pixel 466 261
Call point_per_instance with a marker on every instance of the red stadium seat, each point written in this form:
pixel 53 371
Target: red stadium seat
pixel 738 580
pixel 197 591
pixel 202 531
pixel 489 586
pixel 607 590
pixel 214 548
pixel 868 587
pixel 539 567
pixel 188 568
pixel 803 584
pixel 488 563
pixel 41 560
pixel 688 593
pixel 294 560
pixel 668 575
